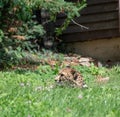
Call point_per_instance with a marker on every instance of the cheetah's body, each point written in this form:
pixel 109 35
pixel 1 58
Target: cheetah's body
pixel 70 75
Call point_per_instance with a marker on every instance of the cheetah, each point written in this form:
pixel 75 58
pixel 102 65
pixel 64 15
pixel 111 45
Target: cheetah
pixel 70 76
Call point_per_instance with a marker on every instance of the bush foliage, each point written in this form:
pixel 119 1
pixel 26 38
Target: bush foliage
pixel 19 32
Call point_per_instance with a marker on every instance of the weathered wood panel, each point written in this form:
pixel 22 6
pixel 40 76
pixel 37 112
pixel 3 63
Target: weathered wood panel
pixel 100 8
pixel 101 17
pixel 94 2
pixel 119 14
pixel 75 37
pixel 93 18
pixel 93 27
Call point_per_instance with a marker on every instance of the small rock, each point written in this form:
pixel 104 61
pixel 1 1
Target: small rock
pixel 85 61
pixel 85 64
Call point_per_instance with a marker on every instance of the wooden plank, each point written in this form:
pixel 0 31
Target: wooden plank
pixel 119 15
pixel 79 37
pixel 92 18
pixel 100 8
pixel 94 2
pixel 93 27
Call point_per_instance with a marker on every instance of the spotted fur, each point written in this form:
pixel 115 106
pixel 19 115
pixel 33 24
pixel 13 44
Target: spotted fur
pixel 70 76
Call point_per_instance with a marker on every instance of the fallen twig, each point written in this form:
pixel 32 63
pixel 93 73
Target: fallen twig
pixel 79 24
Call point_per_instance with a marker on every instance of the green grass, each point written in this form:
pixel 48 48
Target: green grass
pixel 23 93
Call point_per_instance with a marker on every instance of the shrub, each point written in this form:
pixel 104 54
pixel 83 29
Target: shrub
pixel 19 32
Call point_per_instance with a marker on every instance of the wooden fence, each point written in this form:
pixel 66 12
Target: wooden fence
pixel 100 16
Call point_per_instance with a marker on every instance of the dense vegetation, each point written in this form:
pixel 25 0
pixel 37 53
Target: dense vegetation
pixel 20 31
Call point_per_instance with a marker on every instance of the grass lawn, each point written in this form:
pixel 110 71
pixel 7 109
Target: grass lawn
pixel 25 93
